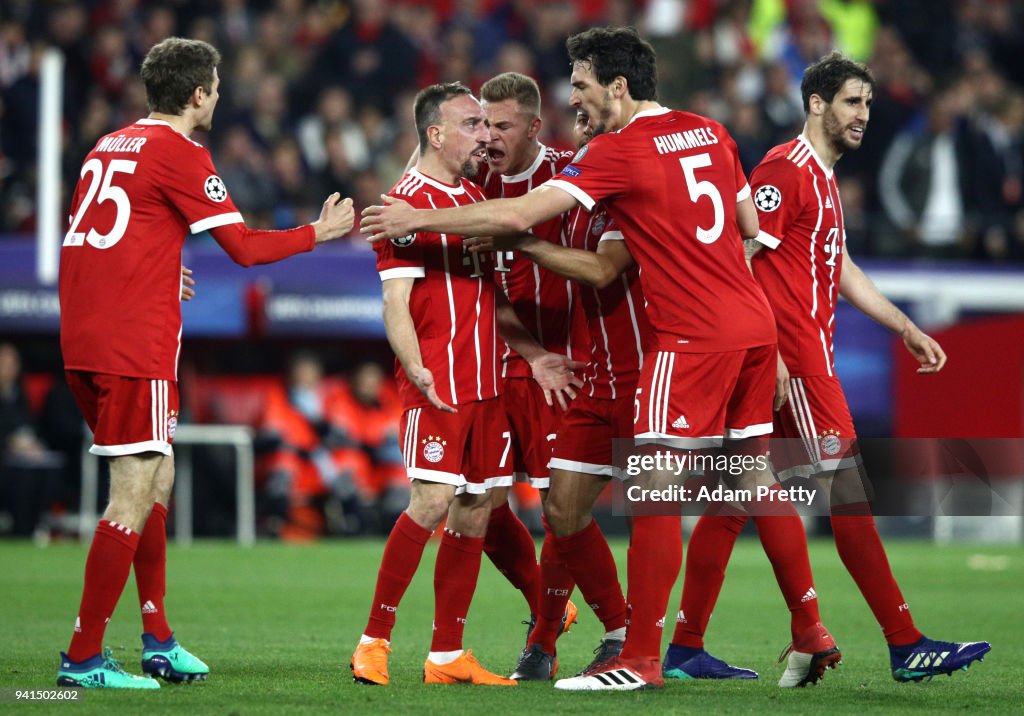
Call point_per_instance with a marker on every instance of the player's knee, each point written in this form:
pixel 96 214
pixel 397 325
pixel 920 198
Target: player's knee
pixel 428 507
pixel 562 515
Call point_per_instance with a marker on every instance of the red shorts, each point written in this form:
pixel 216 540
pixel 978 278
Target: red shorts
pixel 693 400
pixel 587 435
pixel 127 416
pixel 814 430
pixel 534 425
pixel 470 449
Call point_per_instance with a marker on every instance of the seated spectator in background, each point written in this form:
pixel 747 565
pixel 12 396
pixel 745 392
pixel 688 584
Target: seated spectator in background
pixel 923 182
pixel 996 173
pixel 29 480
pixel 332 120
pixel 375 412
pixel 315 455
pixel 245 167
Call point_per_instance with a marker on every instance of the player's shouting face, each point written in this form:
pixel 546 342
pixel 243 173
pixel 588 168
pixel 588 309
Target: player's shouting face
pixel 845 118
pixel 513 130
pixel 463 134
pixel 590 96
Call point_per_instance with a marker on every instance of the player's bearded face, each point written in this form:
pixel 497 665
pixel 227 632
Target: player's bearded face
pixel 465 135
pixel 846 117
pixel 592 98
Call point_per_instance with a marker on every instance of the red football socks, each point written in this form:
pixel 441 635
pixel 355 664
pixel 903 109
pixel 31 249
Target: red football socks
pixel 785 542
pixel 587 555
pixel 862 552
pixel 556 584
pixel 707 556
pixel 455 575
pixel 151 573
pixel 402 555
pixel 510 548
pixel 655 555
pixel 106 572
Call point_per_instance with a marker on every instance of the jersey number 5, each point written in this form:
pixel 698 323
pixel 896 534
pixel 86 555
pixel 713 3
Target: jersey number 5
pixel 101 189
pixel 698 189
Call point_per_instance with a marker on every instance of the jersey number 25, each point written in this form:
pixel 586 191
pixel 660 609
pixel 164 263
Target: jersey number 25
pixel 101 189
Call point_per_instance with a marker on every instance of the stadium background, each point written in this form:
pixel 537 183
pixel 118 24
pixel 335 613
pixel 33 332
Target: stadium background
pixel 316 97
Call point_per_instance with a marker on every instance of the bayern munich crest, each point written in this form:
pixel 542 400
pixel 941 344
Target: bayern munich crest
pixel 433 448
pixel 214 188
pixel 829 441
pixel 599 224
pixel 172 424
pixel 768 198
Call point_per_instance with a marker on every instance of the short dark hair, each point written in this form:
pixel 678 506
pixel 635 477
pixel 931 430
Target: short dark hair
pixel 827 76
pixel 516 86
pixel 617 51
pixel 173 69
pixel 426 108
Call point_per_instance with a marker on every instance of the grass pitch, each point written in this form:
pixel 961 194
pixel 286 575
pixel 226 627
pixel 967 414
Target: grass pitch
pixel 277 625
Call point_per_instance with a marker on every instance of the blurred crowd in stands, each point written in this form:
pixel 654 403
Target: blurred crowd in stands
pixel 316 94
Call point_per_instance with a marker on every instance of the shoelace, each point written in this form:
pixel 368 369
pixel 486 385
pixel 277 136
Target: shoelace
pixel 109 662
pixel 531 657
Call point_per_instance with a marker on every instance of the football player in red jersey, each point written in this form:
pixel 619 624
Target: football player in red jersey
pixel 801 261
pixel 142 190
pixel 582 454
pixel 546 304
pixel 443 314
pixel 673 183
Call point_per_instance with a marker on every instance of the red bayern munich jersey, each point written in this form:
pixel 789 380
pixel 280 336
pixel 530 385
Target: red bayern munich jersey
pixel 671 180
pixel 452 300
pixel 615 314
pixel 543 301
pixel 142 190
pixel 801 220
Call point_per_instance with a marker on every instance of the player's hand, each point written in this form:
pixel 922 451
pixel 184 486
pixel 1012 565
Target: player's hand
pixel 485 244
pixel 554 374
pixel 925 349
pixel 781 385
pixel 391 220
pixel 336 218
pixel 423 379
pixel 187 282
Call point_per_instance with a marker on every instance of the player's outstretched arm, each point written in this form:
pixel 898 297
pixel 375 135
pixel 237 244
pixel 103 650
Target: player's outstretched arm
pixel 395 218
pixel 597 269
pixel 249 247
pixel 553 372
pixel 401 333
pixel 859 290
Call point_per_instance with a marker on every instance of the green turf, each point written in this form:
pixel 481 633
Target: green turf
pixel 276 624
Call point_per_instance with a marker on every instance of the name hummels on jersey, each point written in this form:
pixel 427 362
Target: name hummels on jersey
pixel 688 139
